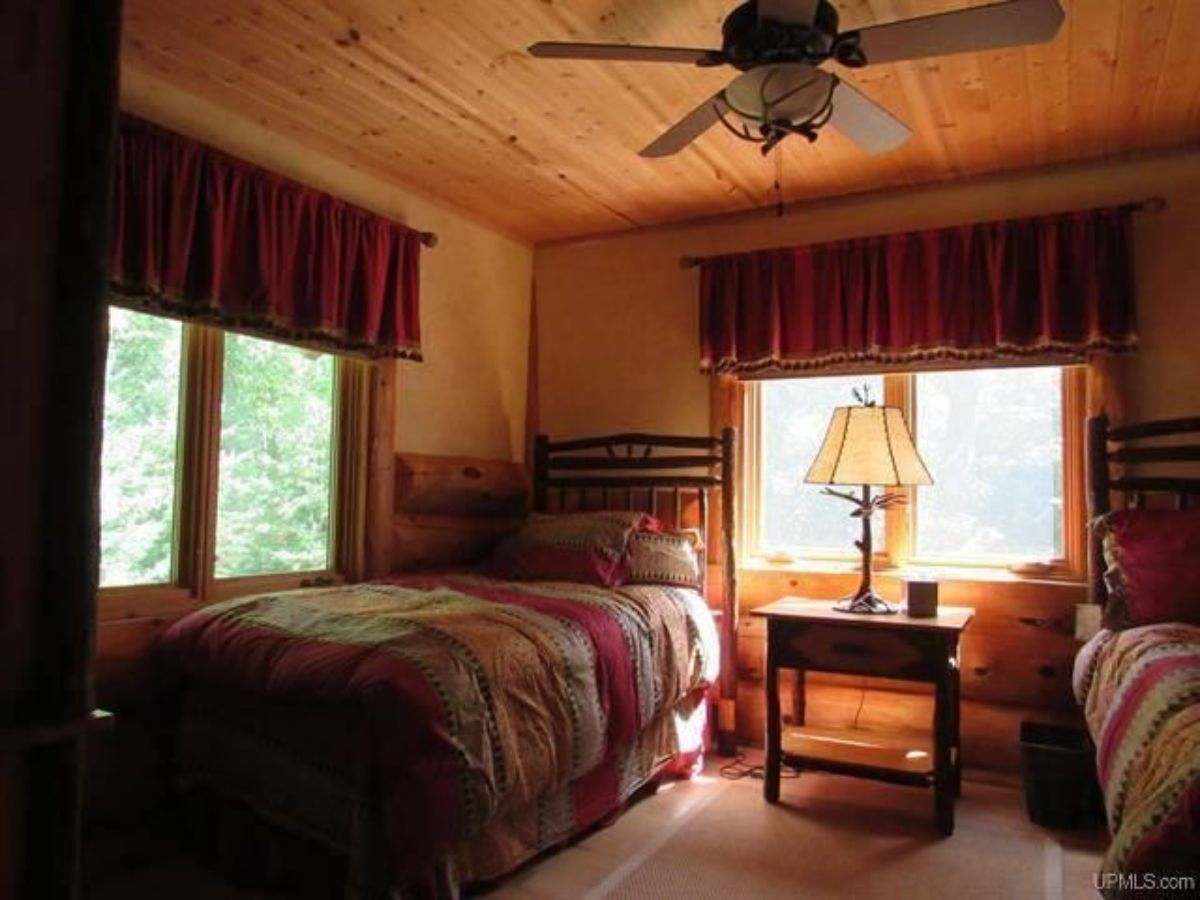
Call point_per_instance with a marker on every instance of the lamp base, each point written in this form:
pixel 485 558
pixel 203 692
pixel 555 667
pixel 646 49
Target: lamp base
pixel 866 604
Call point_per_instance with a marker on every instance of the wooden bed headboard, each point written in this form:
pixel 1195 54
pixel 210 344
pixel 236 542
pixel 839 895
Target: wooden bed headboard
pixel 674 478
pixel 1148 484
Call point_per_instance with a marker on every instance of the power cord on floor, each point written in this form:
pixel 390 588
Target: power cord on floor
pixel 738 769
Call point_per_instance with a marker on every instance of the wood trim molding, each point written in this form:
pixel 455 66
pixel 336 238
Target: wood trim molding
pixel 352 440
pixel 1074 471
pixel 381 471
pixel 200 447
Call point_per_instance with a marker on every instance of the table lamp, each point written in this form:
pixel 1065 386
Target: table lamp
pixel 867 445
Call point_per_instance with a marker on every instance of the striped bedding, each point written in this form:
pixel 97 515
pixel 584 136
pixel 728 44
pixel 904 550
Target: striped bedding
pixel 466 720
pixel 1140 690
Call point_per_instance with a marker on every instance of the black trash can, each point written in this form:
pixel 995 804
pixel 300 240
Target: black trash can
pixel 1059 764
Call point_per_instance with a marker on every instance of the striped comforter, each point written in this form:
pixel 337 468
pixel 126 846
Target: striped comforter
pixel 1140 689
pixel 502 717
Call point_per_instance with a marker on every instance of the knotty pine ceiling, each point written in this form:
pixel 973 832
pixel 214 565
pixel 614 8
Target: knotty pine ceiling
pixel 438 96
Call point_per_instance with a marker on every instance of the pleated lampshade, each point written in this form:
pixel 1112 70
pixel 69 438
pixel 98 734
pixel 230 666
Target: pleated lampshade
pixel 868 445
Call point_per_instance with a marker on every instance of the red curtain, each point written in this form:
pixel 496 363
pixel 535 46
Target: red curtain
pixel 199 234
pixel 1055 287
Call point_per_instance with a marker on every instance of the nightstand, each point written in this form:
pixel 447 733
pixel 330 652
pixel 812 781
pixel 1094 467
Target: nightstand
pixel 809 635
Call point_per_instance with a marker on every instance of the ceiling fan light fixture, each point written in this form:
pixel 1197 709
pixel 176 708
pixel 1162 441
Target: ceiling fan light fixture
pixel 793 93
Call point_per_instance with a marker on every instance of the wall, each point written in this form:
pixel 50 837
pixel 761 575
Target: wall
pixel 468 396
pixel 618 325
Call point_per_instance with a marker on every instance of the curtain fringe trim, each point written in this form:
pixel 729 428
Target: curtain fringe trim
pixel 1057 351
pixel 262 325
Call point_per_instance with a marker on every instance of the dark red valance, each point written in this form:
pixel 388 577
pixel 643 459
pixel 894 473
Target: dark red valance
pixel 199 234
pixel 1054 287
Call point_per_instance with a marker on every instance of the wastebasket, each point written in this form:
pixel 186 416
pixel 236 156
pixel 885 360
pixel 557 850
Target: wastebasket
pixel 1059 767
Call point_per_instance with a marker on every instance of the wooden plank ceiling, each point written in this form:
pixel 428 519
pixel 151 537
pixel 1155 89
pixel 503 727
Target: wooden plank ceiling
pixel 440 97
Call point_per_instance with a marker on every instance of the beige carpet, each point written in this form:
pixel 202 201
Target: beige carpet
pixel 712 838
pixel 824 845
pixel 831 837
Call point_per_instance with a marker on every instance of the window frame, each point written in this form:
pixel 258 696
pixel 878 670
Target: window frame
pixel 896 550
pixel 193 567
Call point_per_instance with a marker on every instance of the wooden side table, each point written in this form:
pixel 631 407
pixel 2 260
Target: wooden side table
pixel 809 635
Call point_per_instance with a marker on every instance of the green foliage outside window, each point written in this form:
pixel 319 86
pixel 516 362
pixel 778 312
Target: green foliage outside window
pixel 273 503
pixel 276 455
pixel 138 462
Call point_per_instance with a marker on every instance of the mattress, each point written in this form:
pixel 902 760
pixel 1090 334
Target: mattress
pixel 443 718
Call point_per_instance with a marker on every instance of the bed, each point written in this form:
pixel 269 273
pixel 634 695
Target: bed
pixel 1138 678
pixel 440 729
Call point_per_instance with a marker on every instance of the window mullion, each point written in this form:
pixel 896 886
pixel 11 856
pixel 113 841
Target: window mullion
pixel 200 444
pixel 349 489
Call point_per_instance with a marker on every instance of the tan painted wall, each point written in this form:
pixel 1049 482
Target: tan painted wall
pixel 468 397
pixel 617 316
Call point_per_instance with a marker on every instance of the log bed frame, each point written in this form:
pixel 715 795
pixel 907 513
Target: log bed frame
pixel 622 471
pixel 1108 444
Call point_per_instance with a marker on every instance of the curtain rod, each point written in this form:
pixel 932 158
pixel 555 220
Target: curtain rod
pixel 428 238
pixel 1151 205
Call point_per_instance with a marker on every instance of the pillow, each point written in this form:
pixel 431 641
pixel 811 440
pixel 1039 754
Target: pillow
pixel 665 558
pixel 1152 560
pixel 588 548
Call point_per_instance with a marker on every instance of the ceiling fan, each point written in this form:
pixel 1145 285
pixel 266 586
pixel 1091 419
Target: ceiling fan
pixel 780 46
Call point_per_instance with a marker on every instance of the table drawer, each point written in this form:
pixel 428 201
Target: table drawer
pixel 858 650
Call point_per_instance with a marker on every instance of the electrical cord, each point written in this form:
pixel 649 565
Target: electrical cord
pixel 738 769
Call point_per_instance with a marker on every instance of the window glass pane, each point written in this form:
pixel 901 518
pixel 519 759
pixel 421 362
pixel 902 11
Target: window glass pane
pixel 992 440
pixel 273 497
pixel 138 457
pixel 796 517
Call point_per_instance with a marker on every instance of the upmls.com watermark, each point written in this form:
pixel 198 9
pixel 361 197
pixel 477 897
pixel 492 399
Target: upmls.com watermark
pixel 1134 882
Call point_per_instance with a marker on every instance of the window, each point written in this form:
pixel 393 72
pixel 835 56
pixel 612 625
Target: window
pixel 994 439
pixel 274 487
pixel 192 416
pixel 139 461
pixel 998 443
pixel 795 517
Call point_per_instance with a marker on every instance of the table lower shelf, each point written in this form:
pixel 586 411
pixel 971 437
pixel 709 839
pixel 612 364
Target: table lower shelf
pixel 905 758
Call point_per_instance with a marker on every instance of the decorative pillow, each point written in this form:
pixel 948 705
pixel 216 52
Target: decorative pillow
pixel 588 548
pixel 1153 566
pixel 665 558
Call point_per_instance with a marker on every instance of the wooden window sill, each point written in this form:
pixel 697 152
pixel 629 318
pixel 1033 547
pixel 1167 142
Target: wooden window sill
pixel 941 573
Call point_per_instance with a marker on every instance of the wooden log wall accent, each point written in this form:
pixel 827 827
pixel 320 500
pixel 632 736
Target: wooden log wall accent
pixel 1017 660
pixel 450 511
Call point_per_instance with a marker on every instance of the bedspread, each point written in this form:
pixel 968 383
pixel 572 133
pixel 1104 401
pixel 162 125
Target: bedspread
pixel 1140 689
pixel 540 706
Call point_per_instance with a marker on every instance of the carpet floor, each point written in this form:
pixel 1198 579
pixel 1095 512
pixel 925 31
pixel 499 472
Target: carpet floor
pixel 829 837
pixel 715 839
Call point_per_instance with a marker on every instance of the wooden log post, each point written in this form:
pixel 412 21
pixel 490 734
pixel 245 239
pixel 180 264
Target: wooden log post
pixel 727 710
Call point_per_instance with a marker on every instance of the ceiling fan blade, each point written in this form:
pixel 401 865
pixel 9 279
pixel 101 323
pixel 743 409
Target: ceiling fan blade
pixel 1008 24
pixel 790 12
pixel 687 129
pixel 624 53
pixel 865 122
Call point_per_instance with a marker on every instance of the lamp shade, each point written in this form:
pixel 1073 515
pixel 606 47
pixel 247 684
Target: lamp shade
pixel 868 445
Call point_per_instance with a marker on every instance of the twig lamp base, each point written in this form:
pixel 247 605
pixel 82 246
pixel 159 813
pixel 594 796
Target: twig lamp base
pixel 866 604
